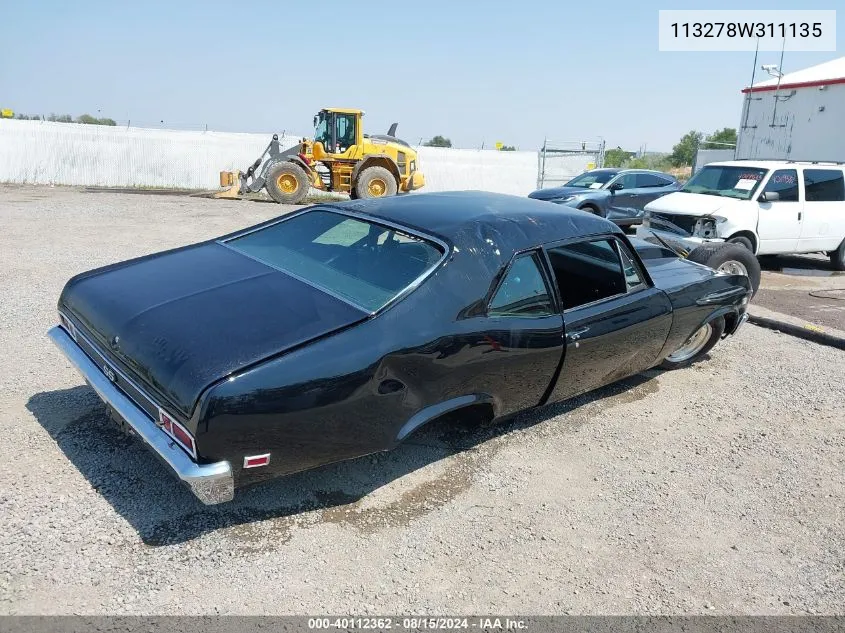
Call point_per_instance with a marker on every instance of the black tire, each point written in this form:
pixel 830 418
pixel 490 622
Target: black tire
pixel 589 208
pixel 717 328
pixel 287 183
pixel 744 241
pixel 374 179
pixel 837 257
pixel 718 254
pixel 352 194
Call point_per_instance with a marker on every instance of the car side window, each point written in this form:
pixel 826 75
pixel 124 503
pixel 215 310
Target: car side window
pixel 633 280
pixel 587 272
pixel 645 181
pixel 784 182
pixel 629 181
pixel 523 291
pixel 824 185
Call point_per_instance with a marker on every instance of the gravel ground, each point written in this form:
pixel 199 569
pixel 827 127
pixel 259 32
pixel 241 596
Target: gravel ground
pixel 715 489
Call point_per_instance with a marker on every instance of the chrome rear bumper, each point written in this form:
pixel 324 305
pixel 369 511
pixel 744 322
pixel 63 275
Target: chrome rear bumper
pixel 211 483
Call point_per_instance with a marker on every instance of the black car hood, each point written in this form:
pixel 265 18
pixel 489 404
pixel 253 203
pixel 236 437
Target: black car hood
pixel 559 192
pixel 184 319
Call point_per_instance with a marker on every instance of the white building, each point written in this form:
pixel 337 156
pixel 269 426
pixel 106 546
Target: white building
pixel 799 117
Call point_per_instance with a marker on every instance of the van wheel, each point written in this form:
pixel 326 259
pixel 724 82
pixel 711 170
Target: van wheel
pixel 744 241
pixel 837 257
pixel 729 258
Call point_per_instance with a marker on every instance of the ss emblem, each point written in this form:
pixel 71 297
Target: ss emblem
pixel 108 372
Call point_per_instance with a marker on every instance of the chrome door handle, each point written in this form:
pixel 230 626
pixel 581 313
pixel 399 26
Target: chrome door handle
pixel 575 334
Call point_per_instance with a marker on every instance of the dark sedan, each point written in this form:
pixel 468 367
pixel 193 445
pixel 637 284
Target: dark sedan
pixel 616 194
pixel 340 329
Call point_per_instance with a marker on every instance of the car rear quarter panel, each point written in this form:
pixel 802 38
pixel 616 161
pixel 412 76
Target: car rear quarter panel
pixel 355 392
pixel 698 294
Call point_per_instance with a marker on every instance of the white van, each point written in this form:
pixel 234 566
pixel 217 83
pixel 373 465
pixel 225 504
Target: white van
pixel 771 207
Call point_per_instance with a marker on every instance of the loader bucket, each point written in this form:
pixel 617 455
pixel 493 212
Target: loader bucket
pixel 231 181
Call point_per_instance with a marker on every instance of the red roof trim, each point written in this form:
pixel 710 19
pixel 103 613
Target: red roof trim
pixel 799 84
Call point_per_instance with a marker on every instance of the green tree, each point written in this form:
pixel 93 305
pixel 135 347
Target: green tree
pixel 507 148
pixel 683 153
pixel 615 157
pixel 60 118
pixel 87 119
pixel 658 162
pixel 721 139
pixel 438 141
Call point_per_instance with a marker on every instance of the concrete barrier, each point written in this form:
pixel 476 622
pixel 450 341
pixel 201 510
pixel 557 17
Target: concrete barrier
pixel 42 152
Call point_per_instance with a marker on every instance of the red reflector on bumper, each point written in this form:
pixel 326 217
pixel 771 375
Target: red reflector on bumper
pixel 256 461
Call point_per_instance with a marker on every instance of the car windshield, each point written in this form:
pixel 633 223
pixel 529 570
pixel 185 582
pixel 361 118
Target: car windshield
pixel 591 179
pixel 730 182
pixel 364 263
pixel 321 132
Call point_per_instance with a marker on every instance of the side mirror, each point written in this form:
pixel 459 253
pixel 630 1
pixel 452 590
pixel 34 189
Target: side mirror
pixel 769 196
pixel 616 186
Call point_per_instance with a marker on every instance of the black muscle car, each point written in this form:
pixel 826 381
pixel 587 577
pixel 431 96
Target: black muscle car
pixel 338 330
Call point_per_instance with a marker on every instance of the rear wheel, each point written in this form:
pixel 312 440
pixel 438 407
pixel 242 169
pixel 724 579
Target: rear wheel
pixel 287 183
pixel 726 257
pixel 696 346
pixel 375 182
pixel 837 257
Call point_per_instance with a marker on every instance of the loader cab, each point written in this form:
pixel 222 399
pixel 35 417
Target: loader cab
pixel 337 130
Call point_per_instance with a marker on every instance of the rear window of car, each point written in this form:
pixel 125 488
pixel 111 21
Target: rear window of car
pixel 365 263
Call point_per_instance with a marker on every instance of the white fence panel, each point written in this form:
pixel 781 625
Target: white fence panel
pixel 42 152
pixel 448 169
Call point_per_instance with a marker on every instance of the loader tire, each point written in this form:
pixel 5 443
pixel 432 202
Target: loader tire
pixel 287 183
pixel 375 182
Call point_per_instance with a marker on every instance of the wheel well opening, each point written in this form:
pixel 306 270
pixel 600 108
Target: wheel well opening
pixel 730 321
pixel 379 161
pixel 749 236
pixel 468 417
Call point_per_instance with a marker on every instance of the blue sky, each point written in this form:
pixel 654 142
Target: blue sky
pixel 472 71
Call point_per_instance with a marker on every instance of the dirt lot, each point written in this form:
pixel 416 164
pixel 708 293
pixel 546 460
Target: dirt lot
pixel 715 489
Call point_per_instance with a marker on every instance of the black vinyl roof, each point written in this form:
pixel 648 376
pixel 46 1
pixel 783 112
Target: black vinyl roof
pixel 459 215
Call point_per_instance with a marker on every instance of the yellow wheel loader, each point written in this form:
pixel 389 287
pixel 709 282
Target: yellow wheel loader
pixel 341 158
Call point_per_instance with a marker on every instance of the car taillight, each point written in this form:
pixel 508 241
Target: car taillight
pixel 69 327
pixel 177 432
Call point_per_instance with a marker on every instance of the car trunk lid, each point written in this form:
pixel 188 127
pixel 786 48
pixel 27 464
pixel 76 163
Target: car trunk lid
pixel 182 320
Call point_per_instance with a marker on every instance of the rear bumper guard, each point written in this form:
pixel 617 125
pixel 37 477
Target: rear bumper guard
pixel 211 483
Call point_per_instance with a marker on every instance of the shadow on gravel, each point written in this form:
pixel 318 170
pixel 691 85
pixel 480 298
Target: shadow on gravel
pixel 143 491
pixel 800 265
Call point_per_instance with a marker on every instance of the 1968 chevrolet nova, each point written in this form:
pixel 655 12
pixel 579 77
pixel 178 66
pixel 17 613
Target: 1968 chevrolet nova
pixel 338 330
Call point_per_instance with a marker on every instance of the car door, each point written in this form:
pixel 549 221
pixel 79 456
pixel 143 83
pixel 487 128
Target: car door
pixel 823 225
pixel 622 201
pixel 780 210
pixel 649 188
pixel 516 351
pixel 615 321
